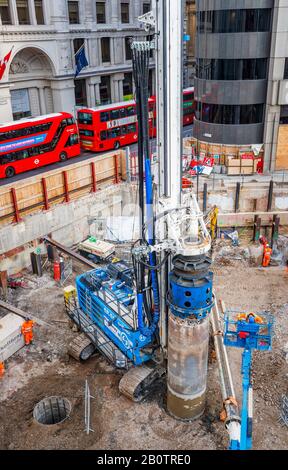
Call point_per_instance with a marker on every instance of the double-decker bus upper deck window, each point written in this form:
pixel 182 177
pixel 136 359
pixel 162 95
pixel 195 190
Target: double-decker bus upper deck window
pixel 85 118
pixel 70 121
pixel 188 97
pixel 16 133
pixel 122 112
pixel 115 114
pixel 105 116
pixel 131 110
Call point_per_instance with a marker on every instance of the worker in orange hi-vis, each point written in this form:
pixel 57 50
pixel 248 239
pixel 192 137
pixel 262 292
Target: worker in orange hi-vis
pixel 2 369
pixel 27 331
pixel 267 256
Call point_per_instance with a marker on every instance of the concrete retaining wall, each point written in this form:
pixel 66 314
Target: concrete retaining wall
pixel 68 224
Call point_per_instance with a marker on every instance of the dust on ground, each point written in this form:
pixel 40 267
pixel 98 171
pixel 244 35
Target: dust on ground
pixel 44 369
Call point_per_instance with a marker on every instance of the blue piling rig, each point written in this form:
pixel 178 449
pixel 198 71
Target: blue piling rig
pixel 249 332
pixel 128 311
pixel 110 305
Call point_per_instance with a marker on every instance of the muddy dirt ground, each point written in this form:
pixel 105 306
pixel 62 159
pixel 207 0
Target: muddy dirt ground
pixel 44 369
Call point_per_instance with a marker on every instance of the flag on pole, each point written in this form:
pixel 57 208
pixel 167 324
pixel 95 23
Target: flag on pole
pixel 3 63
pixel 81 60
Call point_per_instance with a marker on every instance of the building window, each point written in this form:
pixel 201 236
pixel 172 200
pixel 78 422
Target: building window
pixel 77 44
pixel 128 86
pixel 73 11
pixel 105 48
pixel 101 12
pixel 23 11
pixel 128 50
pixel 20 104
pixel 80 92
pixel 232 69
pixel 105 89
pixel 125 13
pixel 286 69
pixel 284 115
pixel 228 114
pixel 5 12
pixel 146 8
pixel 234 21
pixel 39 11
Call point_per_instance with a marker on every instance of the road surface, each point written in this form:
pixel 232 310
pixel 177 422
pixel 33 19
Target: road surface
pixel 187 132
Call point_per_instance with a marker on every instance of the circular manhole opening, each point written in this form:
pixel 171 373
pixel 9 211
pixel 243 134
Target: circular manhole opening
pixel 52 410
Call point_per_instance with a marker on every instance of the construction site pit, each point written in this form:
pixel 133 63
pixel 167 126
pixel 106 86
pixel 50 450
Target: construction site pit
pixel 53 410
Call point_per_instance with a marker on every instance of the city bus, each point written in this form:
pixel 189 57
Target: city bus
pixel 115 125
pixel 112 126
pixel 35 142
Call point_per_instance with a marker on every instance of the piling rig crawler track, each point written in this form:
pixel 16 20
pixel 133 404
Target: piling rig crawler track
pixel 136 384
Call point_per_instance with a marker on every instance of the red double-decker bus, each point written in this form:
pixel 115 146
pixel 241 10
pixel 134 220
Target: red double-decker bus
pixel 111 126
pixel 35 142
pixel 115 125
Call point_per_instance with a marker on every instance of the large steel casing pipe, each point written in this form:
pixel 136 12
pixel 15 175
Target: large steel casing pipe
pixel 188 342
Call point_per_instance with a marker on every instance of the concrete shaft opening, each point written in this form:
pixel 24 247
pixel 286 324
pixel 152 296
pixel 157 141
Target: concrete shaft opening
pixel 53 410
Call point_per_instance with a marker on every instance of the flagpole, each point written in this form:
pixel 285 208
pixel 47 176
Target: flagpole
pixel 83 45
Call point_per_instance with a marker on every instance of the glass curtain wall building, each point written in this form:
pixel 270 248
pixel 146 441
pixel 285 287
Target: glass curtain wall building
pixel 233 42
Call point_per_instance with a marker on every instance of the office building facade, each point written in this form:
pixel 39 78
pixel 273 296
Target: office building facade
pixel 241 55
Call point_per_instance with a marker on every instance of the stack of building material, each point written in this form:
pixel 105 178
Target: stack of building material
pixel 98 248
pixel 228 159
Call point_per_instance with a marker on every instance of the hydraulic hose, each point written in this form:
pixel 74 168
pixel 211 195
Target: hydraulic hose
pixel 147 326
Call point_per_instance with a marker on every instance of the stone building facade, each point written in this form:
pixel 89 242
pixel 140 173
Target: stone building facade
pixel 46 34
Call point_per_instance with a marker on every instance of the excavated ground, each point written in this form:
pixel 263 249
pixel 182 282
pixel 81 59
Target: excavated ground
pixel 44 369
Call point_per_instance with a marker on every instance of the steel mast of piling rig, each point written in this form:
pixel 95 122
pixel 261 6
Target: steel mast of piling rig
pixel 186 282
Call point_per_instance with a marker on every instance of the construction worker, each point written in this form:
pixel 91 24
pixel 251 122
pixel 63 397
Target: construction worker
pixel 2 369
pixel 27 331
pixel 249 318
pixel 267 256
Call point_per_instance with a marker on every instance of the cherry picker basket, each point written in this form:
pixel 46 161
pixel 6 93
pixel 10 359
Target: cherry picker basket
pixel 243 330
